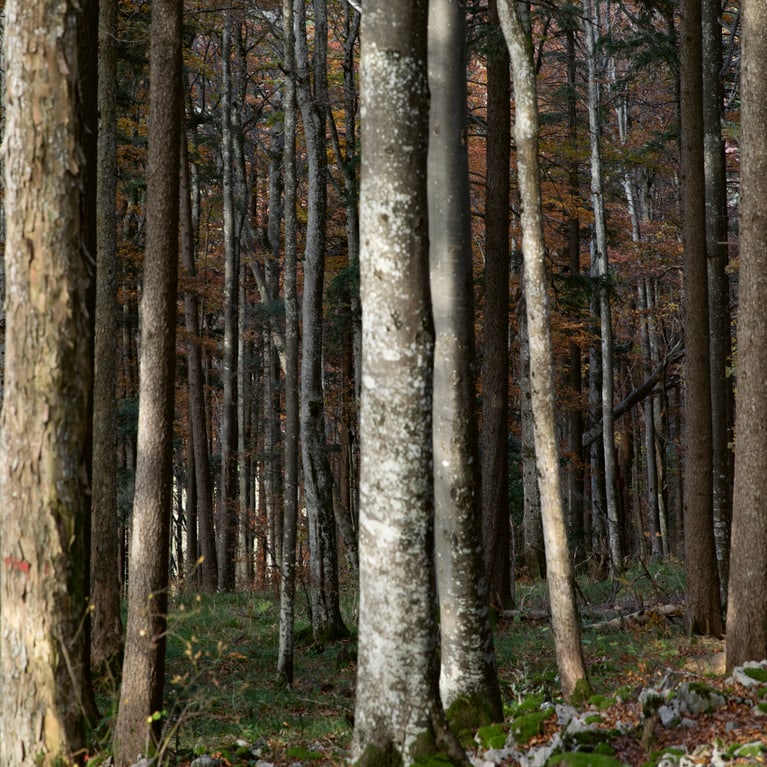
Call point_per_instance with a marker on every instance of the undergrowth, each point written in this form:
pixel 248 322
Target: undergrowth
pixel 222 697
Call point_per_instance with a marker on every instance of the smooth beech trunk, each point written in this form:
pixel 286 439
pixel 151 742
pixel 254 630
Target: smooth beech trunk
pixel 398 715
pixel 468 679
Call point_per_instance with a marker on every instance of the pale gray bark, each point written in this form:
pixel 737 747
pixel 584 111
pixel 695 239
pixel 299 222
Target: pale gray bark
pixel 564 615
pixel 533 553
pixel 601 274
pixel 398 714
pixel 141 691
pixel 468 679
pixel 747 609
pixel 288 560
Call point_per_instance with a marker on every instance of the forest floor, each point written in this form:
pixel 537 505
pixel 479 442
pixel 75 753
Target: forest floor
pixel 224 707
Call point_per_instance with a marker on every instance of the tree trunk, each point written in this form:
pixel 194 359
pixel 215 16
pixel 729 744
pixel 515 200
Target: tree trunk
pixel 704 613
pixel 107 629
pixel 228 511
pixel 600 272
pixel 718 284
pixel 653 507
pixel 747 609
pixel 288 561
pixel 141 692
pixel 575 418
pixel 398 716
pixel 45 439
pixel 494 437
pixel 564 616
pixel 197 412
pixel 469 679
pixel 327 623
pixel 533 553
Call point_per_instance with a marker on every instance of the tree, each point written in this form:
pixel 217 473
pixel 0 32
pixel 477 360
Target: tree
pixel 138 722
pixel 290 513
pixel 704 612
pixel 228 512
pixel 715 171
pixel 496 530
pixel 327 623
pixel 45 438
pixel 398 715
pixel 601 275
pixel 746 610
pixel 107 629
pixel 561 582
pixel 198 420
pixel 468 679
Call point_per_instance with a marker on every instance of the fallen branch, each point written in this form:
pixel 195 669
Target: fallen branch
pixel 645 389
pixel 640 617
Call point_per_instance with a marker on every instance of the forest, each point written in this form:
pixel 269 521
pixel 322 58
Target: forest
pixel 383 382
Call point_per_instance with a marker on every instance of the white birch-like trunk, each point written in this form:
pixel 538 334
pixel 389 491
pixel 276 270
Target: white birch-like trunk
pixel 564 615
pixel 398 716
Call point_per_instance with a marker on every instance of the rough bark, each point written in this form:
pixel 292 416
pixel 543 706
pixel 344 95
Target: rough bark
pixel 105 595
pixel 46 419
pixel 398 715
pixel 468 680
pixel 747 609
pixel 496 530
pixel 141 691
pixel 704 613
pixel 561 582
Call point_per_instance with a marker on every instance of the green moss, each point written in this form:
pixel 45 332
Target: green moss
pixel 526 705
pixel 593 719
pixel 303 754
pixel 581 693
pixel 469 713
pixel 434 760
pixel 526 727
pixel 375 756
pixel 581 759
pixel 492 736
pixel 748 751
pixel 762 707
pixel 601 702
pixel 758 673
